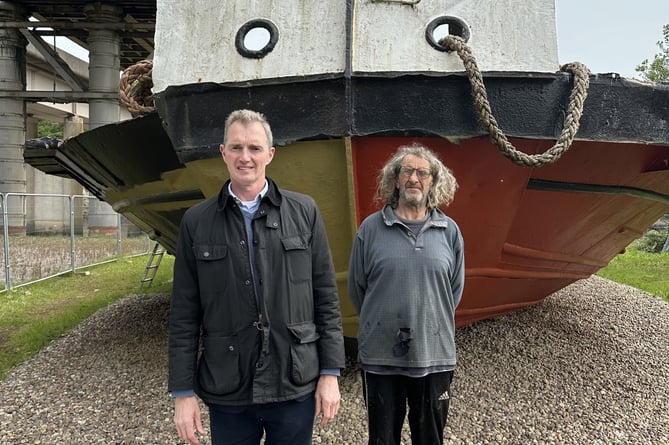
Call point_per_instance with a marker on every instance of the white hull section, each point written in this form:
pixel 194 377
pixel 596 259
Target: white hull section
pixel 196 40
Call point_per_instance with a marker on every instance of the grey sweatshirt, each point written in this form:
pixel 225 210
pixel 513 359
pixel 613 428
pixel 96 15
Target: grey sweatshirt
pixel 406 288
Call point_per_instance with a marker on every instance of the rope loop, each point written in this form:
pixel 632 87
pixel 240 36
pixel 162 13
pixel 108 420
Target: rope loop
pixel 572 117
pixel 135 88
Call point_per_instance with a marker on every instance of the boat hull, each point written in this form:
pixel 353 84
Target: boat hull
pixel 528 231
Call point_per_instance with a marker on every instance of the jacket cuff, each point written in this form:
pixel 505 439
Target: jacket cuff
pixel 182 393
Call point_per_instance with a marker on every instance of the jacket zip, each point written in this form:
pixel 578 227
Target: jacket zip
pixel 259 324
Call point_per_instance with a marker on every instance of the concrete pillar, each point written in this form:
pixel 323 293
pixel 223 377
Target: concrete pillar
pixel 31 126
pixel 33 178
pixel 12 115
pixel 104 64
pixel 73 126
pixel 104 68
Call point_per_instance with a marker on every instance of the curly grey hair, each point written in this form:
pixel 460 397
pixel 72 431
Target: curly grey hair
pixel 443 186
pixel 246 117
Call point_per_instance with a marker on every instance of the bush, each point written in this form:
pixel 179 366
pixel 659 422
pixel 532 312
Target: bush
pixel 653 241
pixel 656 238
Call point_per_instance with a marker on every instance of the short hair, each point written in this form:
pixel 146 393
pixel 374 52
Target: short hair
pixel 246 117
pixel 443 186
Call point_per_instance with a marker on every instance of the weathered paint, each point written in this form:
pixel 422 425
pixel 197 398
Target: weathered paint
pixel 506 35
pixel 524 240
pixel 195 40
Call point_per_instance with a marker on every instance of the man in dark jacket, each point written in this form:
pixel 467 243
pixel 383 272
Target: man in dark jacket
pixel 255 324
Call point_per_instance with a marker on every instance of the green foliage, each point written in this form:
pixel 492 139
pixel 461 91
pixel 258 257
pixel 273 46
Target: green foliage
pixel 657 70
pixel 643 270
pixel 34 315
pixel 49 129
pixel 653 241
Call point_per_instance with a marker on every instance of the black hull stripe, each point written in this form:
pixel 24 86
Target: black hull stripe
pixel 556 186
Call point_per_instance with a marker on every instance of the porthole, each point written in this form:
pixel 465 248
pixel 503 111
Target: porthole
pixel 255 39
pixel 443 26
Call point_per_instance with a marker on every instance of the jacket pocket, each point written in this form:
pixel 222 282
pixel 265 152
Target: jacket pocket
pixel 210 252
pixel 219 371
pixel 304 353
pixel 298 257
pixel 212 262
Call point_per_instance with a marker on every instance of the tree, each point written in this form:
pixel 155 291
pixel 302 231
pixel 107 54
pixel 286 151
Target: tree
pixel 658 69
pixel 49 129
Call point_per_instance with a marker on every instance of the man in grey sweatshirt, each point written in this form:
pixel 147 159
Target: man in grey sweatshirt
pixel 406 277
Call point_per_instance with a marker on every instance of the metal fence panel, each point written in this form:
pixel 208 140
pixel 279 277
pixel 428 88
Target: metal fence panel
pixel 45 235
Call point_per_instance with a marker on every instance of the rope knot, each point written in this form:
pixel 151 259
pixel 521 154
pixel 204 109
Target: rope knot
pixel 135 88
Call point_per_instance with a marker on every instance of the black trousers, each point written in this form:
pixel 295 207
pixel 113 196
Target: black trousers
pixel 387 396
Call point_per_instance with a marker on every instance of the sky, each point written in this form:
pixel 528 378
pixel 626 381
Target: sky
pixel 606 35
pixel 610 36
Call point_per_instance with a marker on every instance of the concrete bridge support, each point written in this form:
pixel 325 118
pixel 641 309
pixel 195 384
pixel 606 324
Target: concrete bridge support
pixel 103 68
pixel 12 115
pixel 104 71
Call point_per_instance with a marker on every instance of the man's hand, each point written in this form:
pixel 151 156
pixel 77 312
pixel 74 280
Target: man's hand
pixel 327 397
pixel 187 415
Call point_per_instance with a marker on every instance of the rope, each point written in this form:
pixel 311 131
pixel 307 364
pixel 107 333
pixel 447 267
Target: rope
pixel 572 118
pixel 135 88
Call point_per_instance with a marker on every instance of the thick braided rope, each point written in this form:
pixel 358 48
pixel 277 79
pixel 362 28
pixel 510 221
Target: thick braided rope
pixel 135 88
pixel 571 121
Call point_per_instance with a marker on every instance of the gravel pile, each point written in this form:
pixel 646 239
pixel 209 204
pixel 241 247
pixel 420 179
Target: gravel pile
pixel 588 365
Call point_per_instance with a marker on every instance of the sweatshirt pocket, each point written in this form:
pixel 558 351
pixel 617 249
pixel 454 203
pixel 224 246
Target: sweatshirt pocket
pixel 304 353
pixel 219 371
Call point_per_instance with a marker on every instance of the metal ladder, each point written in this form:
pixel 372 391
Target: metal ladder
pixel 155 257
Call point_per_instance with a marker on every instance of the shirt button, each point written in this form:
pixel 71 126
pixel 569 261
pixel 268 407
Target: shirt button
pixel 231 348
pixel 242 242
pixel 275 224
pixel 259 365
pixel 206 254
pixel 247 282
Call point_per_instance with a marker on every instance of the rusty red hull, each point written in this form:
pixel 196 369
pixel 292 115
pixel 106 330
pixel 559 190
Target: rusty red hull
pixel 532 231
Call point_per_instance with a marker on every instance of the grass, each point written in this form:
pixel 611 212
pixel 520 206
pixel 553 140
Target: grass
pixel 643 270
pixel 33 315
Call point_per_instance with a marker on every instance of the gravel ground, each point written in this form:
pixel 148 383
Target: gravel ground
pixel 590 365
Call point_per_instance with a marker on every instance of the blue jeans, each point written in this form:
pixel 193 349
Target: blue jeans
pixel 284 423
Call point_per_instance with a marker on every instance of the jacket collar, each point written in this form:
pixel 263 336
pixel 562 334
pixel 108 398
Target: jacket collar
pixel 273 194
pixel 436 218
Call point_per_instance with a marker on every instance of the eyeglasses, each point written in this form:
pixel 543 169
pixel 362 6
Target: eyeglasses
pixel 422 173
